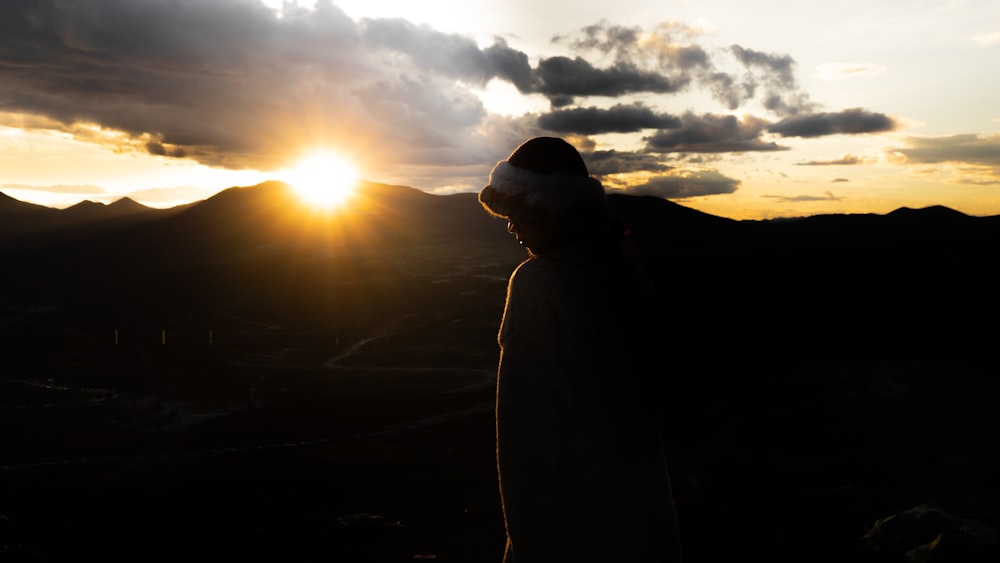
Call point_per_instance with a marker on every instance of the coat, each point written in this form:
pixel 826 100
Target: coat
pixel 580 453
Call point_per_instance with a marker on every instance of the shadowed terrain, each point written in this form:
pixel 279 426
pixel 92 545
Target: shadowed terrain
pixel 245 378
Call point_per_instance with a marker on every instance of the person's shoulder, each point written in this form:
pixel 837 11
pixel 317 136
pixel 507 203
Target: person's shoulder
pixel 527 269
pixel 542 265
pixel 535 271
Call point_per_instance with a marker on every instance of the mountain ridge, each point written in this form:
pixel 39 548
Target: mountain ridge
pixel 126 204
pixel 844 364
pixel 258 248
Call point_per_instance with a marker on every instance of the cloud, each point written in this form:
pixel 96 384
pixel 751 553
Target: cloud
pixel 620 40
pixel 209 78
pixel 668 46
pixel 601 163
pixel 421 110
pixel 986 39
pixel 683 184
pixel 981 150
pixel 850 121
pixel 781 65
pixel 617 119
pixel 235 84
pixel 511 65
pixel 725 88
pixel 59 188
pixel 965 159
pixel 561 79
pixel 827 196
pixel 777 74
pixel 712 133
pixel 844 160
pixel 840 71
pixel 228 83
pixel 157 148
pixel 451 55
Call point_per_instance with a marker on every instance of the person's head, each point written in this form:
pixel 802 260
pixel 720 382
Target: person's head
pixel 547 195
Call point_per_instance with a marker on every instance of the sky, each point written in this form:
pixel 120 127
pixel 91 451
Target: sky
pixel 746 110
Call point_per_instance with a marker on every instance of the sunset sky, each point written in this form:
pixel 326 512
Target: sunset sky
pixel 746 110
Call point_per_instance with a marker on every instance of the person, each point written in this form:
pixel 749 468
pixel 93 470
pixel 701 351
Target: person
pixel 580 453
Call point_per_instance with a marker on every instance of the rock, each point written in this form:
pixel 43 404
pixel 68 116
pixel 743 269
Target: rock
pixel 926 534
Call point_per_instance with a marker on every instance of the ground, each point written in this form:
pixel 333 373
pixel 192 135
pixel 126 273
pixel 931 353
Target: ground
pixel 377 458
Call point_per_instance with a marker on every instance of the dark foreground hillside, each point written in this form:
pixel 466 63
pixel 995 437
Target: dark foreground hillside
pixel 242 381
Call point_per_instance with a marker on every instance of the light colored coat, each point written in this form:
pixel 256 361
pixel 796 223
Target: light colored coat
pixel 580 454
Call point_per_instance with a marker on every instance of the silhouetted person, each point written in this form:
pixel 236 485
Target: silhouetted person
pixel 583 475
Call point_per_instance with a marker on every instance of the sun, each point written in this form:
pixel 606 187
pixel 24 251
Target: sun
pixel 323 179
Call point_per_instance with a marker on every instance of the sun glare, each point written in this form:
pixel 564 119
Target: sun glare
pixel 323 179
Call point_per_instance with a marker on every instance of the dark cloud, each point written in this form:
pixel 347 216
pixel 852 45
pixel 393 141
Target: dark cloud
pixel 617 119
pixel 725 88
pixel 602 163
pixel 221 82
pixel 459 57
pixel 232 83
pixel 687 184
pixel 229 83
pixel 451 55
pixel 425 109
pixel 973 159
pixel 561 77
pixel 789 103
pixel 775 73
pixel 826 196
pixel 561 100
pixel 511 65
pixel 670 49
pixel 980 150
pixel 668 46
pixel 845 160
pixel 156 148
pixel 605 38
pixel 781 67
pixel 850 122
pixel 712 133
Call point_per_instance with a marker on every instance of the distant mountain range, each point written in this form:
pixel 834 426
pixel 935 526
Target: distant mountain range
pixel 658 218
pixel 19 218
pixel 914 280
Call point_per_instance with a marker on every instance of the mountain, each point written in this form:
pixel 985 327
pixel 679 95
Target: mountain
pixel 21 219
pixel 92 211
pixel 259 251
pixel 10 206
pixel 249 361
pixel 914 281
